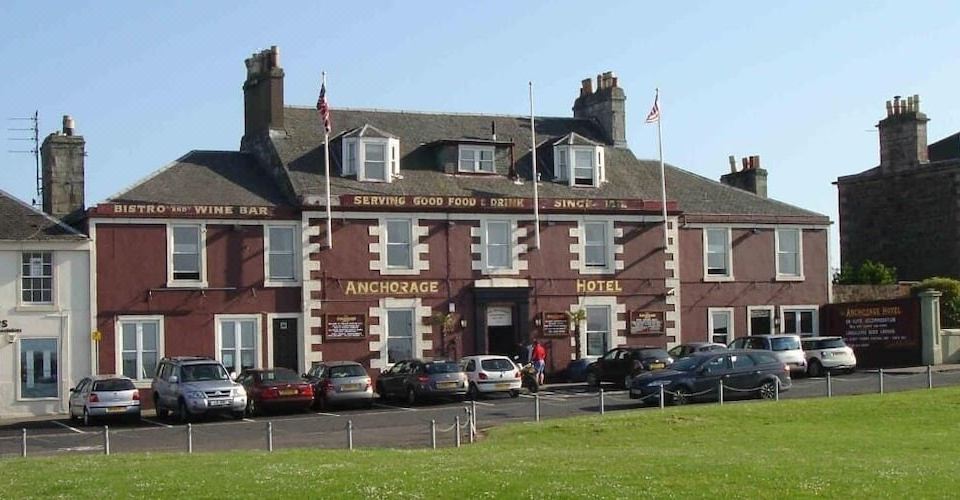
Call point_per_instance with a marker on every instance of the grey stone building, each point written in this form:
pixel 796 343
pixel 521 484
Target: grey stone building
pixel 905 212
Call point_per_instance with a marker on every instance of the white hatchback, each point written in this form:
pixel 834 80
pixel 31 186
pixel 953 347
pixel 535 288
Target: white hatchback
pixel 491 373
pixel 827 354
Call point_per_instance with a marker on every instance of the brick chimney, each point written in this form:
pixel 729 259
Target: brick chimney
pixel 750 178
pixel 263 92
pixel 62 173
pixel 903 135
pixel 606 105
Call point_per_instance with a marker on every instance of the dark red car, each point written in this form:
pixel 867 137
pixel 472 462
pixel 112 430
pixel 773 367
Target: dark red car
pixel 275 388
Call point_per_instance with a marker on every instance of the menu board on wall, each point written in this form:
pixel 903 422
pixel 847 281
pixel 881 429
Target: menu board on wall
pixel 646 323
pixel 345 326
pixel 555 324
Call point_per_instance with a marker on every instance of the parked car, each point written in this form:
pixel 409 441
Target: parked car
pixel 275 388
pixel 620 364
pixel 698 376
pixel 191 386
pixel 340 383
pixel 684 350
pixel 827 354
pixel 416 379
pixel 577 369
pixel 785 346
pixel 104 396
pixel 491 373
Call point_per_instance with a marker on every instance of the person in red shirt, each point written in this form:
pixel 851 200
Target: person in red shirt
pixel 538 355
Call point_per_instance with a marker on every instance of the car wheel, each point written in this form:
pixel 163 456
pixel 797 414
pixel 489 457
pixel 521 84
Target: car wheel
pixel 681 396
pixel 411 396
pixel 473 393
pixel 369 404
pixel 514 393
pixel 381 392
pixel 592 380
pixel 814 368
pixel 161 411
pixel 322 403
pixel 627 381
pixel 239 415
pixel 252 408
pixel 86 418
pixel 183 412
pixel 768 390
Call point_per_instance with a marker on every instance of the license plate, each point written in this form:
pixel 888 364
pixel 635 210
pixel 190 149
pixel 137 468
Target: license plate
pixel 117 409
pixel 216 402
pixel 656 366
pixel 503 386
pixel 349 387
pixel 446 385
pixel 288 392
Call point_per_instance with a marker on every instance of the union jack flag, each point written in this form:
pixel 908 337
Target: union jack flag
pixel 323 108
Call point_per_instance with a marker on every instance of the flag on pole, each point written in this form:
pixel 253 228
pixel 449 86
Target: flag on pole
pixel 654 115
pixel 323 108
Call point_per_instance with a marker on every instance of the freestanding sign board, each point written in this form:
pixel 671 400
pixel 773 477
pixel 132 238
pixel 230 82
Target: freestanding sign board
pixel 883 334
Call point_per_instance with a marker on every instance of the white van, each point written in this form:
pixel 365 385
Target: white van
pixel 785 347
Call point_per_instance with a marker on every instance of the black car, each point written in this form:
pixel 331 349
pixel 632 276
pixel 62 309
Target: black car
pixel 743 373
pixel 415 379
pixel 621 364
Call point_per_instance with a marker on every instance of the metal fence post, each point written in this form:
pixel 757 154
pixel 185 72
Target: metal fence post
pixel 433 434
pixel 270 436
pixel 23 442
pixel 829 385
pixel 350 434
pixel 456 429
pixel 189 438
pixel 661 396
pixel 880 371
pixel 473 419
pixel 929 377
pixel 469 424
pixel 601 402
pixel 536 404
pixel 106 440
pixel 776 389
pixel 721 392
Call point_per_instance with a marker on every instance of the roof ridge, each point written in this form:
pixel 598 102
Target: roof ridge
pixel 168 166
pixel 40 213
pixel 439 113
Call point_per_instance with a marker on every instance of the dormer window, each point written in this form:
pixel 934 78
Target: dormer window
pixel 371 155
pixel 578 161
pixel 477 159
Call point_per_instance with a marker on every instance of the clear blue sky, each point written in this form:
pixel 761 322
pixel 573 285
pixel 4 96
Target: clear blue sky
pixel 800 84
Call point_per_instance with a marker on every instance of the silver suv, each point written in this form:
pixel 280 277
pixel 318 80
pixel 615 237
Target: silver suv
pixel 785 347
pixel 192 386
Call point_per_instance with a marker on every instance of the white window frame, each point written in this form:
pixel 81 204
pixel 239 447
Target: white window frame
pixel 296 242
pixel 510 245
pixel 799 254
pixel 731 319
pixel 118 341
pixel 202 242
pixel 411 244
pixel 477 162
pixel 257 336
pixel 414 345
pixel 391 160
pixel 21 277
pixel 60 375
pixel 773 318
pixel 815 319
pixel 609 246
pixel 608 344
pixel 564 164
pixel 618 328
pixel 729 254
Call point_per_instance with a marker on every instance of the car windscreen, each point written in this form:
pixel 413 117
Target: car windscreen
pixel 686 364
pixel 497 365
pixel 346 371
pixel 784 343
pixel 280 375
pixel 444 367
pixel 113 384
pixel 828 344
pixel 651 354
pixel 197 373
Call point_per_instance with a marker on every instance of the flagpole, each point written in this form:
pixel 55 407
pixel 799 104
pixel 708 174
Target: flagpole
pixel 533 161
pixel 663 180
pixel 326 171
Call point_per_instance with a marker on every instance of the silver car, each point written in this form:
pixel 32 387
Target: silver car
pixel 192 386
pixel 340 382
pixel 104 396
pixel 785 346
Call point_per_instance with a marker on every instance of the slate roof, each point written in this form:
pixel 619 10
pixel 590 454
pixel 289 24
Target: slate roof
pixel 300 150
pixel 207 177
pixel 21 222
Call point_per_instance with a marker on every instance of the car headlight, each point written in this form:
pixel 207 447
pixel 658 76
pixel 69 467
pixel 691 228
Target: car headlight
pixel 657 383
pixel 196 395
pixel 238 391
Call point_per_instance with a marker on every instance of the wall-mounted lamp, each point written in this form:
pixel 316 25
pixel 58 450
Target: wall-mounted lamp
pixel 11 337
pixel 754 230
pixel 537 322
pixel 452 307
pixel 463 323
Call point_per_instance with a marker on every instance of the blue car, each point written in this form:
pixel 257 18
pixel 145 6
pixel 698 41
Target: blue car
pixel 576 371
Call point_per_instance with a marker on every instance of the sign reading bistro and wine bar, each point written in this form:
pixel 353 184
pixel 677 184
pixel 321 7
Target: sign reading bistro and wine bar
pixel 497 203
pixel 555 324
pixel 646 323
pixel 198 211
pixel 345 326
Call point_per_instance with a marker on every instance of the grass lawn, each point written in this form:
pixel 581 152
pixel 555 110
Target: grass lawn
pixel 900 445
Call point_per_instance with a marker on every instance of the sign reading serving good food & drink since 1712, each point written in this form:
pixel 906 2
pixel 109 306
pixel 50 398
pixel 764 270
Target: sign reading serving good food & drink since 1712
pixel 555 324
pixel 346 326
pixel 646 323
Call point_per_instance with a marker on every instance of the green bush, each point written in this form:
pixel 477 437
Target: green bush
pixel 868 273
pixel 949 301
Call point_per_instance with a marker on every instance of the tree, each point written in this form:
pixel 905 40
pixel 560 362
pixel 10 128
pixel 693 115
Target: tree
pixel 949 301
pixel 868 273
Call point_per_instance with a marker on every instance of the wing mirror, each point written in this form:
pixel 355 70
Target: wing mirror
pixel 173 379
pixel 233 375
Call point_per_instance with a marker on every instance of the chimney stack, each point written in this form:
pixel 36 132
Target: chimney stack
pixel 62 155
pixel 263 92
pixel 606 106
pixel 903 135
pixel 750 178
